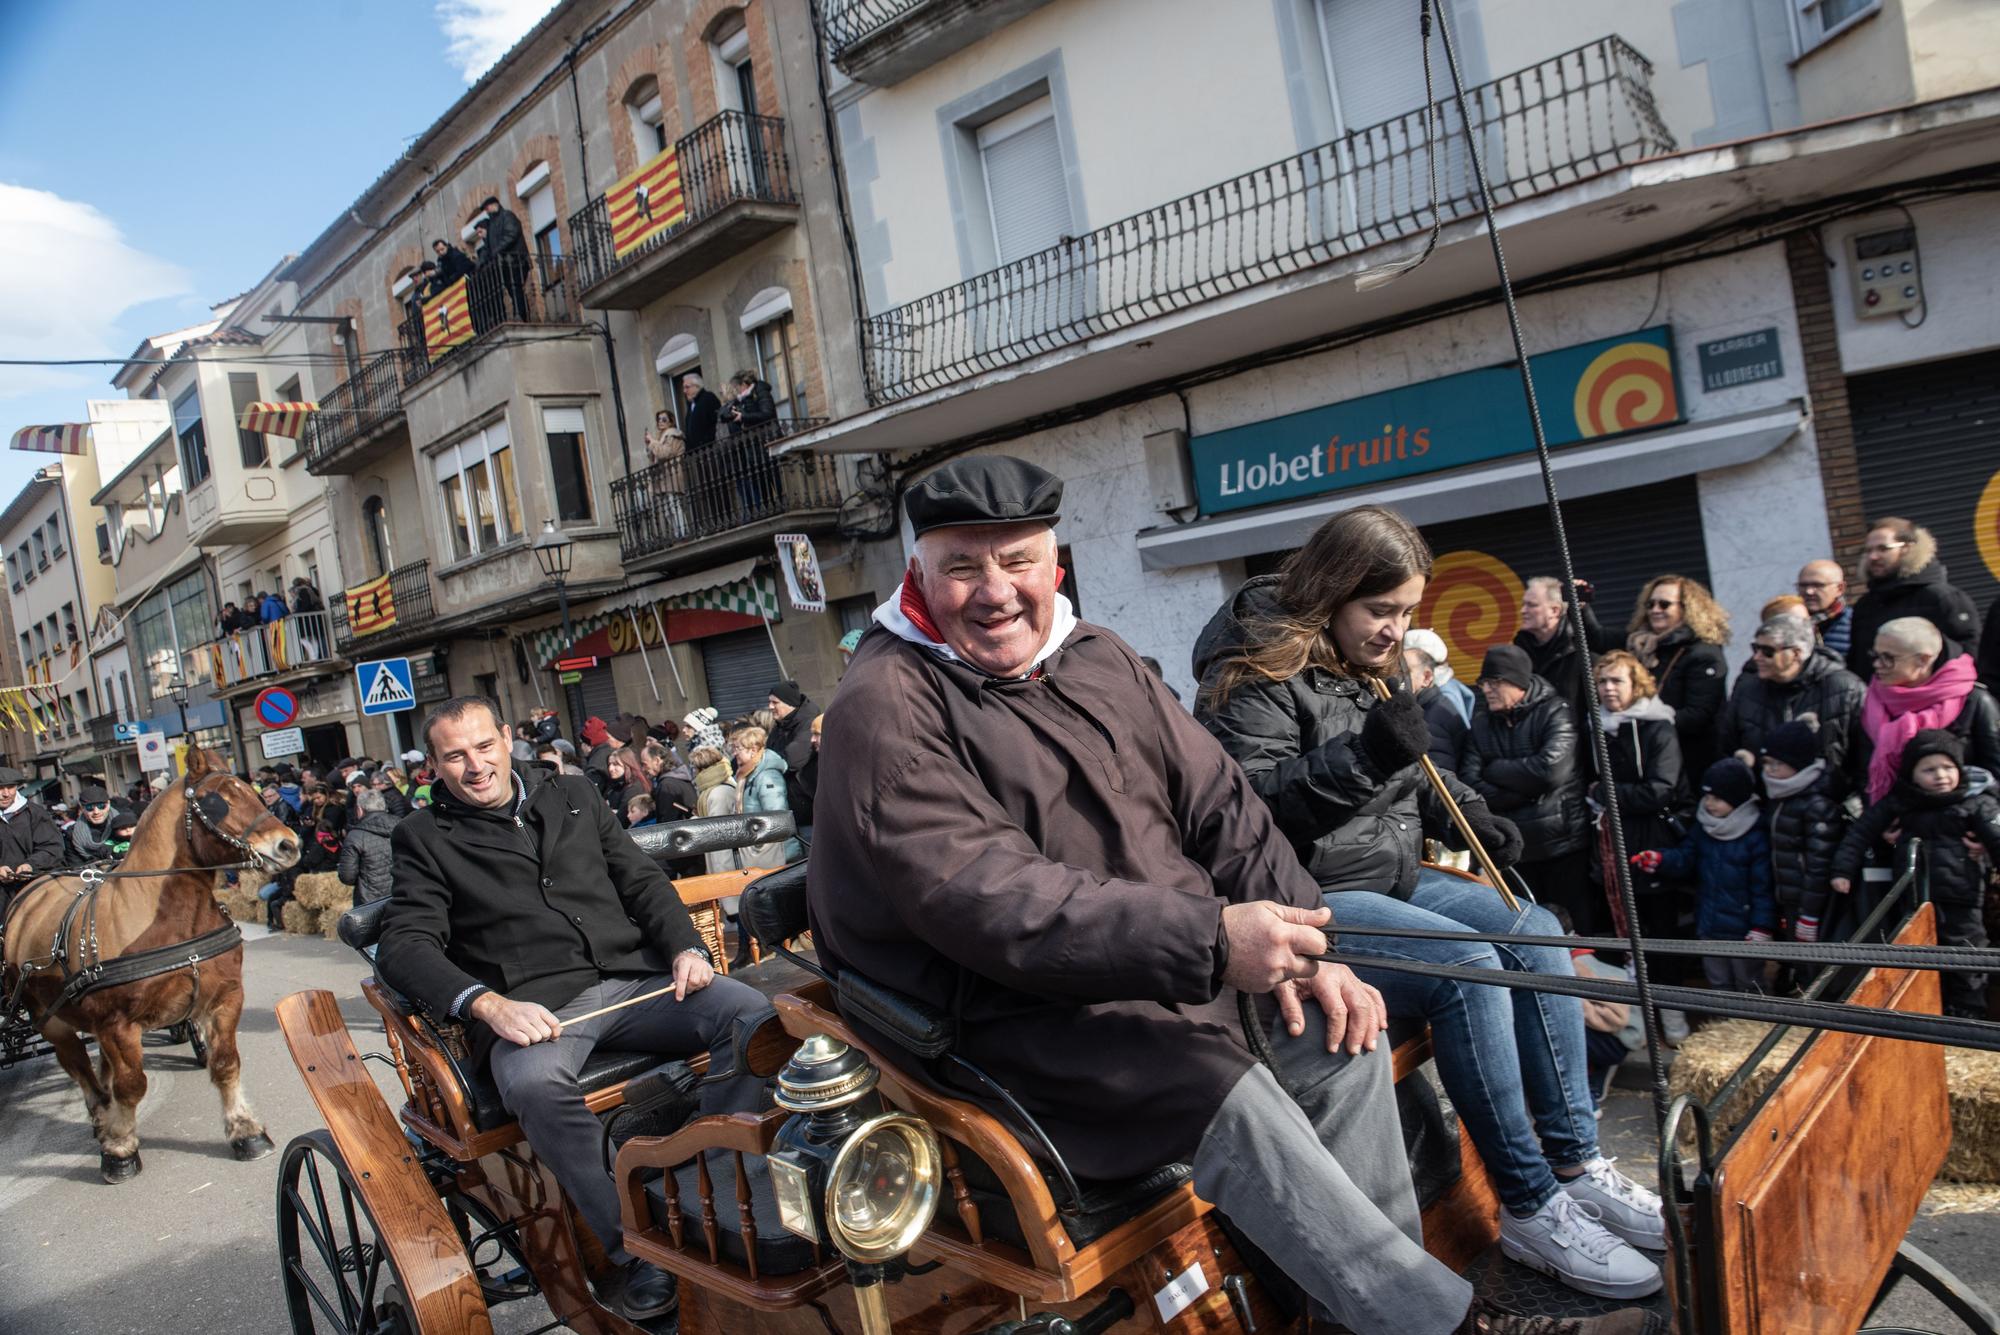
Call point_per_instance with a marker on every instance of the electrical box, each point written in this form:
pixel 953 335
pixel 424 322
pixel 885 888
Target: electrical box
pixel 1883 266
pixel 1169 471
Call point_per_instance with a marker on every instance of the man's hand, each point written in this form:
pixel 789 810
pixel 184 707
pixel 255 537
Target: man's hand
pixel 1355 1012
pixel 1840 885
pixel 691 974
pixel 1272 943
pixel 521 1023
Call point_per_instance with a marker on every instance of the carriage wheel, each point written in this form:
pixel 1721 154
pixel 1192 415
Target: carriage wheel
pixel 337 1275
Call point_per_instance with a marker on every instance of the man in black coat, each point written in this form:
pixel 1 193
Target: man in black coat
pixel 518 901
pixel 1792 677
pixel 1521 756
pixel 30 840
pixel 1549 640
pixel 452 264
pixel 703 412
pixel 509 245
pixel 792 739
pixel 1906 579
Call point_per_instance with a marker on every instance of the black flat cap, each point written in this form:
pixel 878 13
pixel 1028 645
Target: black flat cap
pixel 12 777
pixel 984 489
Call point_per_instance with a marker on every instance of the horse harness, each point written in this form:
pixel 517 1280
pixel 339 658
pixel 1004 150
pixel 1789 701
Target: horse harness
pixel 94 973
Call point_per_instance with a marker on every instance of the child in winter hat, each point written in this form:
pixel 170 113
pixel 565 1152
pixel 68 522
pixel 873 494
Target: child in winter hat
pixel 1728 856
pixel 1802 814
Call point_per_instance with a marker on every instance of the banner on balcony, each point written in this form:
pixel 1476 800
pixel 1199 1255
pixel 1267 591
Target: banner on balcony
pixel 277 419
pixel 448 319
pixel 646 203
pixel 800 563
pixel 371 607
pixel 63 438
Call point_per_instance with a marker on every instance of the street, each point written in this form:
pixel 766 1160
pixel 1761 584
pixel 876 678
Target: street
pixel 190 1245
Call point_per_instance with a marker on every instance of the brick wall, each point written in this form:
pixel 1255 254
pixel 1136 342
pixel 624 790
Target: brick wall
pixel 1826 383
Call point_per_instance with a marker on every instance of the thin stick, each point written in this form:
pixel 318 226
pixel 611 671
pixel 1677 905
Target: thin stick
pixel 1457 816
pixel 606 1010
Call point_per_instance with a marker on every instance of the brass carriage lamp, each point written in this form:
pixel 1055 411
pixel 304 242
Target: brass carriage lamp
pixel 841 1167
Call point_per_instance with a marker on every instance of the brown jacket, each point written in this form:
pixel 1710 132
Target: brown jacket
pixel 1052 858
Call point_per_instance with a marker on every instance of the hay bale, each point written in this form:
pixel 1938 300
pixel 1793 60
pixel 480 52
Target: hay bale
pixel 300 919
pixel 321 890
pixel 1972 1080
pixel 329 921
pixel 240 902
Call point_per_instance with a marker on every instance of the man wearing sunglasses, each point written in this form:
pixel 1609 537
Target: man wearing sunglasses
pixel 1906 579
pixel 1793 676
pixel 103 830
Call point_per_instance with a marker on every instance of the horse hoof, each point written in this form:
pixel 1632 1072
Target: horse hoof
pixel 115 1168
pixel 252 1147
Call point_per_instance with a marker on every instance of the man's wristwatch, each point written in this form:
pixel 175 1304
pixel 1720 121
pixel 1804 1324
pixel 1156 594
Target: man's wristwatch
pixel 702 951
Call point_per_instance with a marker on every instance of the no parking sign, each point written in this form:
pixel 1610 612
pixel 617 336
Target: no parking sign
pixel 276 707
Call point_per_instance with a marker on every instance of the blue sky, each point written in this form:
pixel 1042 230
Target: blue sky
pixel 155 159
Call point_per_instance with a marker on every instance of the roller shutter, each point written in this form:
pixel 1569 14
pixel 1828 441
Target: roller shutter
pixel 741 668
pixel 596 695
pixel 1928 442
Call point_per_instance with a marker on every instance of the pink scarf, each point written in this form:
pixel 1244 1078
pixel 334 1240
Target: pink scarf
pixel 1892 715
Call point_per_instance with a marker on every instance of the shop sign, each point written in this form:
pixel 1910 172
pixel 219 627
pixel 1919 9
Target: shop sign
pixel 803 582
pixel 1741 359
pixel 1588 392
pixel 569 678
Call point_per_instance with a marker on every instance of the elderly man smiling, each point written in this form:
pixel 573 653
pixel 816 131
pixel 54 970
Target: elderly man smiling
pixel 1026 829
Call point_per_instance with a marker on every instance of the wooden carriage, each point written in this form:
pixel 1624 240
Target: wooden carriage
pixel 423 1225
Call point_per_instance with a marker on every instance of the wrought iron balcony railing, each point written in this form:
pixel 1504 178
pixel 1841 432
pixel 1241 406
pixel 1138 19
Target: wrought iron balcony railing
pixel 359 405
pixel 727 485
pixel 410 596
pixel 1559 121
pixel 734 157
pixel 297 640
pixel 534 289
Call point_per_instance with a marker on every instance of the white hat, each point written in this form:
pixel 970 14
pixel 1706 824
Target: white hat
pixel 1428 643
pixel 413 757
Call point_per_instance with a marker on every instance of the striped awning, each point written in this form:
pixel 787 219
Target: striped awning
pixel 62 438
pixel 277 419
pixel 742 588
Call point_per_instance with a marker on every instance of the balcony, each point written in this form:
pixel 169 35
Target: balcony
pixel 729 497
pixel 274 649
pixel 1554 123
pixel 502 298
pixel 360 414
pixel 884 42
pixel 104 732
pixel 736 186
pixel 414 611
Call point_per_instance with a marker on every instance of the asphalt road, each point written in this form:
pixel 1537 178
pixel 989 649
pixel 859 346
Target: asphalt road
pixel 189 1246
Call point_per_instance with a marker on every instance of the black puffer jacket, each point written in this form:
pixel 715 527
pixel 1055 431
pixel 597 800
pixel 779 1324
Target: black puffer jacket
pixel 1652 791
pixel 1921 587
pixel 1805 830
pixel 365 860
pixel 1299 742
pixel 1694 679
pixel 1941 821
pixel 1977 727
pixel 1823 688
pixel 1524 763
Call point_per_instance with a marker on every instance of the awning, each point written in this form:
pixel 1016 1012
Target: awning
pixel 1509 484
pixel 61 438
pixel 277 419
pixel 739 587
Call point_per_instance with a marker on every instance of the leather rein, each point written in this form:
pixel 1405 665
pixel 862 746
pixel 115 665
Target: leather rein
pixel 94 972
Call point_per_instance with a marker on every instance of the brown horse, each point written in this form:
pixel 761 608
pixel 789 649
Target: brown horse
pixel 206 820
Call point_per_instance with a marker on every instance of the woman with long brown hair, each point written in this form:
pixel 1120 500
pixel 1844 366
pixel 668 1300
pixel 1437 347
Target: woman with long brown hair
pixel 1678 630
pixel 1287 672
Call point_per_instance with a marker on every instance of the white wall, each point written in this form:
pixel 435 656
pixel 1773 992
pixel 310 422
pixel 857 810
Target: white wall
pixel 1961 284
pixel 1520 33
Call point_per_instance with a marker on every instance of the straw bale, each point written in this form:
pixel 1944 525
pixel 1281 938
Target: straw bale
pixel 240 902
pixel 322 890
pixel 300 919
pixel 1962 1198
pixel 329 922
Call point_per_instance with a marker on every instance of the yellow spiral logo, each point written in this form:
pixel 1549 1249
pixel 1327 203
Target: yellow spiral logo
pixel 1986 525
pixel 1473 601
pixel 1626 387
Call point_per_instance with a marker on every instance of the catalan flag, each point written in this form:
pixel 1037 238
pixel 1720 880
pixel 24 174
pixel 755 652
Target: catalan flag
pixel 64 438
pixel 448 319
pixel 372 606
pixel 646 203
pixel 277 419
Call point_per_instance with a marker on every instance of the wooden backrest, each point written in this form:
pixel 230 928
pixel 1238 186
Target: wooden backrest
pixel 1814 1196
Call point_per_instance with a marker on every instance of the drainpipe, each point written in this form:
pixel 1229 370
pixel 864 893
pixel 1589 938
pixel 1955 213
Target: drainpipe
pixel 604 323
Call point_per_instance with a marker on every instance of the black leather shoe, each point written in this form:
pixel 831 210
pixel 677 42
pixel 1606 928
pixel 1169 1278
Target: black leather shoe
pixel 646 1293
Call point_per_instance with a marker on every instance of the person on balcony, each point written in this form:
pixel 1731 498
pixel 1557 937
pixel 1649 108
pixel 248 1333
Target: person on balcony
pixel 509 245
pixel 664 444
pixel 749 414
pixel 703 412
pixel 271 607
pixel 488 306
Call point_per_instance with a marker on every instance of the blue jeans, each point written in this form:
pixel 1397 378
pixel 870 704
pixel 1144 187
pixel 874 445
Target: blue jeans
pixel 1513 1062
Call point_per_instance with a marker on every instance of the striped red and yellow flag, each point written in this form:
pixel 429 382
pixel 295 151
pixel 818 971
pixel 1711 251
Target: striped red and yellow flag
pixel 646 203
pixel 277 419
pixel 448 319
pixel 62 438
pixel 371 606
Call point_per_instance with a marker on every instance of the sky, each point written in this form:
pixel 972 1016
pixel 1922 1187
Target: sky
pixel 157 159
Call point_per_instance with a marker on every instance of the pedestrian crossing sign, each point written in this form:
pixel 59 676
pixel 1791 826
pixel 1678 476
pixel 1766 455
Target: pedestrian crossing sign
pixel 385 686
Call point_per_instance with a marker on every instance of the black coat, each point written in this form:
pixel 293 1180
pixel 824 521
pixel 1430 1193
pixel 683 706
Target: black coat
pixel 1989 648
pixel 455 265
pixel 1524 763
pixel 1941 821
pixel 1560 662
pixel 366 861
pixel 504 235
pixel 702 414
pixel 537 907
pixel 1693 677
pixel 1448 728
pixel 1823 688
pixel 792 739
pixel 1299 743
pixel 1920 588
pixel 757 408
pixel 1977 726
pixel 1806 830
pixel 1653 791
pixel 32 836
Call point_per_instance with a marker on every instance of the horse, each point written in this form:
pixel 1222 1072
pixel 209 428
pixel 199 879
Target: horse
pixel 117 953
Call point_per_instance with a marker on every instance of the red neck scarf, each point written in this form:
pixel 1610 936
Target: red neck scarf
pixel 917 610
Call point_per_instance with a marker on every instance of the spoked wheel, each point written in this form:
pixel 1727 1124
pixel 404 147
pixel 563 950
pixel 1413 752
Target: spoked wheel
pixel 338 1276
pixel 495 1249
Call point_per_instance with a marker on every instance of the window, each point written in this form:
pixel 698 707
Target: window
pixel 539 195
pixel 1027 190
pixel 482 507
pixel 193 440
pixel 776 342
pixel 292 391
pixel 856 613
pixel 13 572
pixel 57 548
pixel 569 464
pixel 125 693
pixel 647 117
pixel 735 80
pixel 375 536
pixel 41 542
pixel 1820 20
pixel 103 540
pixel 27 563
pixel 678 356
pixel 243 393
pixel 70 633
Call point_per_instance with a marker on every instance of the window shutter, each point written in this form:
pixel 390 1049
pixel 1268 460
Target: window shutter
pixel 1375 60
pixel 1027 190
pixel 556 420
pixel 541 209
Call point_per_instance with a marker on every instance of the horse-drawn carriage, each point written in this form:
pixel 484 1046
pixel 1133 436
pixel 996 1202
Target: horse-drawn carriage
pixel 872 1198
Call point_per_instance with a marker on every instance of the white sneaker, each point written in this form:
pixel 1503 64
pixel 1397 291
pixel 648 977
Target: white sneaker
pixel 1624 1207
pixel 1674 1027
pixel 1564 1239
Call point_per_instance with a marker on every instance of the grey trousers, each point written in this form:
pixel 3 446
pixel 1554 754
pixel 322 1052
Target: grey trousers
pixel 1314 1173
pixel 539 1083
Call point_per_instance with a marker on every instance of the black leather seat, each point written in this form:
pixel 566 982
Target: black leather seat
pixel 779 1251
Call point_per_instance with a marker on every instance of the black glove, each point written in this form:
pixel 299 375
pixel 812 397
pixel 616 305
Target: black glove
pixel 1395 734
pixel 1499 836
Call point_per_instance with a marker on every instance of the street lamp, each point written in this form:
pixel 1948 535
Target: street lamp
pixel 177 689
pixel 552 554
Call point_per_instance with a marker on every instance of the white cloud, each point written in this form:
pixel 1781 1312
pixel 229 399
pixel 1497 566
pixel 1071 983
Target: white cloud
pixel 479 32
pixel 70 274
